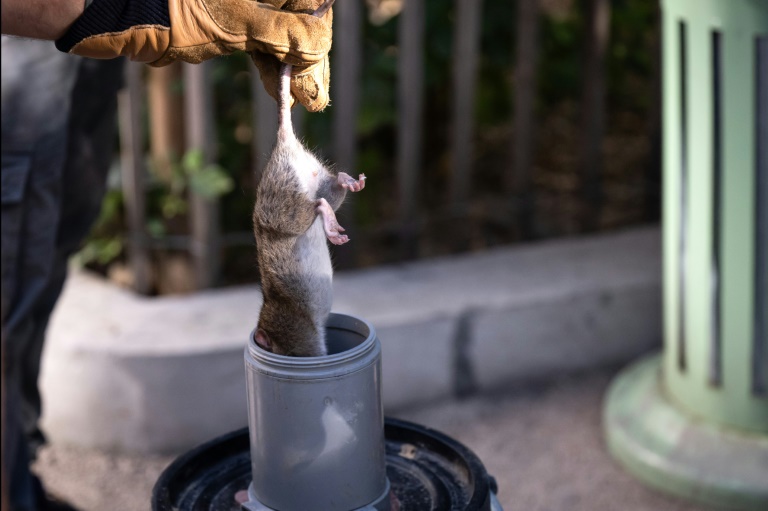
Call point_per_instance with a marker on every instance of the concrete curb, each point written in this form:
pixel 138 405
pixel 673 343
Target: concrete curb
pixel 128 373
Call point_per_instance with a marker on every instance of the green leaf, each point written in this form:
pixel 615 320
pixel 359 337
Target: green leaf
pixel 155 228
pixel 173 205
pixel 193 161
pixel 101 250
pixel 211 182
pixel 110 250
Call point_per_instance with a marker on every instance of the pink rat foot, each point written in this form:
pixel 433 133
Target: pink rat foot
pixel 241 497
pixel 330 225
pixel 351 184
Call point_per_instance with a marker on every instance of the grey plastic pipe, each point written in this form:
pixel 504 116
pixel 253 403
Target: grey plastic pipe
pixel 317 425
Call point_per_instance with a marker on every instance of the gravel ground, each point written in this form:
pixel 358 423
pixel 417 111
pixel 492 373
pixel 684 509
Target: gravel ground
pixel 543 444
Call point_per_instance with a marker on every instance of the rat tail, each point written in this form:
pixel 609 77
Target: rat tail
pixel 284 126
pixel 325 7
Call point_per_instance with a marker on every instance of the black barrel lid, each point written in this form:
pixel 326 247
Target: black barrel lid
pixel 427 470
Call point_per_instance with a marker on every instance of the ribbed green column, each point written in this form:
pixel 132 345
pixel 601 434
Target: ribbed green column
pixel 695 422
pixel 710 209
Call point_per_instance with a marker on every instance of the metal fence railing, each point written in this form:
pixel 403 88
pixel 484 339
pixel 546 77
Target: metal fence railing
pixel 515 199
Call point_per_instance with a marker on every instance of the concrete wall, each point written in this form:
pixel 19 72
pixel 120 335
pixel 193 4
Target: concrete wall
pixel 163 374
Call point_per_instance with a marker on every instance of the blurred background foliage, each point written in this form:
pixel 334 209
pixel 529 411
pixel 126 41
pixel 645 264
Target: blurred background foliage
pixel 630 174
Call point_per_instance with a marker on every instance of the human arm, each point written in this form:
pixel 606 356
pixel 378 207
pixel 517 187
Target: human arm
pixel 39 19
pixel 161 31
pixel 158 32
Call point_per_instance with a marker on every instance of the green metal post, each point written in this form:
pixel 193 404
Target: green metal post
pixel 695 420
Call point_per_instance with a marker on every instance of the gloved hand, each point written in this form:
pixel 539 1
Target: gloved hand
pixel 310 83
pixel 159 32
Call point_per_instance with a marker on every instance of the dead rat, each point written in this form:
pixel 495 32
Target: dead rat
pixel 294 214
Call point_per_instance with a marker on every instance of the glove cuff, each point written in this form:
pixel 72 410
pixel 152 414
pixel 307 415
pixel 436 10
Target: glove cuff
pixel 111 19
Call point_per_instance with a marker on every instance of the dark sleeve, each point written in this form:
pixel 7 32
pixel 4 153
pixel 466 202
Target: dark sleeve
pixel 113 16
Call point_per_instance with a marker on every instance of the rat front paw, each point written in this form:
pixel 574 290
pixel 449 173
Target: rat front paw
pixel 351 184
pixel 337 239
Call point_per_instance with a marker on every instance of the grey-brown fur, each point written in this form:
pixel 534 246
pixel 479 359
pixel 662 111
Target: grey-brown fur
pixel 291 240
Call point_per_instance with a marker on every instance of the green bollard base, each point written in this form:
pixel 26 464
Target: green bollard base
pixel 675 452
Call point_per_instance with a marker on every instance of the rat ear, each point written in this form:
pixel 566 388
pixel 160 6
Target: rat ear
pixel 262 339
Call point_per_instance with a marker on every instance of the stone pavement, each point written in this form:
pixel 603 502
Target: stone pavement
pixel 542 442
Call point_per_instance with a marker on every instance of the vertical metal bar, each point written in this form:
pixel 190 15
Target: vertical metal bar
pixel 264 109
pixel 738 247
pixel 346 82
pixel 671 147
pixel 760 348
pixel 200 135
pixel 715 351
pixel 683 235
pixel 699 205
pixel 166 119
pixel 593 107
pixel 410 104
pixel 466 37
pixel 132 171
pixel 653 177
pixel 345 92
pixel 519 178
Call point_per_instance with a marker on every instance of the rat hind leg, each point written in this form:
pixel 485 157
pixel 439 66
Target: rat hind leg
pixel 330 225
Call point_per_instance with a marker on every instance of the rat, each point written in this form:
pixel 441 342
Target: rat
pixel 294 213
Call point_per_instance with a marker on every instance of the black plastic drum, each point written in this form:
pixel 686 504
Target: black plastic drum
pixel 427 470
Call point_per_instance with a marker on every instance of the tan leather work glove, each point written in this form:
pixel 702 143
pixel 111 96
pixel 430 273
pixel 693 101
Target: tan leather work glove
pixel 310 83
pixel 159 32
